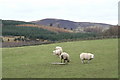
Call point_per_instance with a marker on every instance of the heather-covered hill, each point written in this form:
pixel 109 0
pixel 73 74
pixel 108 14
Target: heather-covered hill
pixel 67 24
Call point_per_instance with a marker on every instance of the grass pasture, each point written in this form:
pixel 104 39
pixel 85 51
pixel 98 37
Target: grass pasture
pixel 35 61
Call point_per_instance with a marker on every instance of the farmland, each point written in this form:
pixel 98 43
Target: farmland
pixel 35 61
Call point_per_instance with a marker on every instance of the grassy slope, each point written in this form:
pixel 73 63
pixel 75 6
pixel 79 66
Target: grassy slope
pixel 35 61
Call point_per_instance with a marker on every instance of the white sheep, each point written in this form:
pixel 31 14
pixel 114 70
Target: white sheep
pixel 59 48
pixel 57 52
pixel 86 56
pixel 64 56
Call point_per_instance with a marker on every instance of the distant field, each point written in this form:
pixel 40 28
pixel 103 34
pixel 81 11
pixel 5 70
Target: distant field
pixel 35 61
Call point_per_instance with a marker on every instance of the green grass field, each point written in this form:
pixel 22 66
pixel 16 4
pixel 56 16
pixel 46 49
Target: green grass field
pixel 35 61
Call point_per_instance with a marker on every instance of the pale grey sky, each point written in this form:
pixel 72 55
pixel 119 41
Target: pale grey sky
pixel 101 11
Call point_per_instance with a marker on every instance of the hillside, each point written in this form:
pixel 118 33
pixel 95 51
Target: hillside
pixel 70 24
pixel 53 29
pixel 35 32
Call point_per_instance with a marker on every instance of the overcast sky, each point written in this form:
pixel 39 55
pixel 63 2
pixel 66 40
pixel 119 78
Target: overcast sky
pixel 101 11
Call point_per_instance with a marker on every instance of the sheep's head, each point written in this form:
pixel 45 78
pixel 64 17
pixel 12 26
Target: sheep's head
pixel 92 56
pixel 54 52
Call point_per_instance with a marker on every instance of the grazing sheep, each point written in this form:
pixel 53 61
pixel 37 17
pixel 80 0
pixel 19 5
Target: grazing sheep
pixel 59 48
pixel 57 52
pixel 64 56
pixel 86 56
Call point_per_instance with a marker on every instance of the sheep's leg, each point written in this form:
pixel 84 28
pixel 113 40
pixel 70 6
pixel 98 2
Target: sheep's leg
pixel 82 61
pixel 64 60
pixel 88 61
pixel 61 60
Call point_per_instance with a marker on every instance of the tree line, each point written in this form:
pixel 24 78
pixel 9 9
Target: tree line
pixel 38 33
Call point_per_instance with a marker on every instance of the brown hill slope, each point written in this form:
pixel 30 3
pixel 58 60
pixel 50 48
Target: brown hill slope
pixel 54 29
